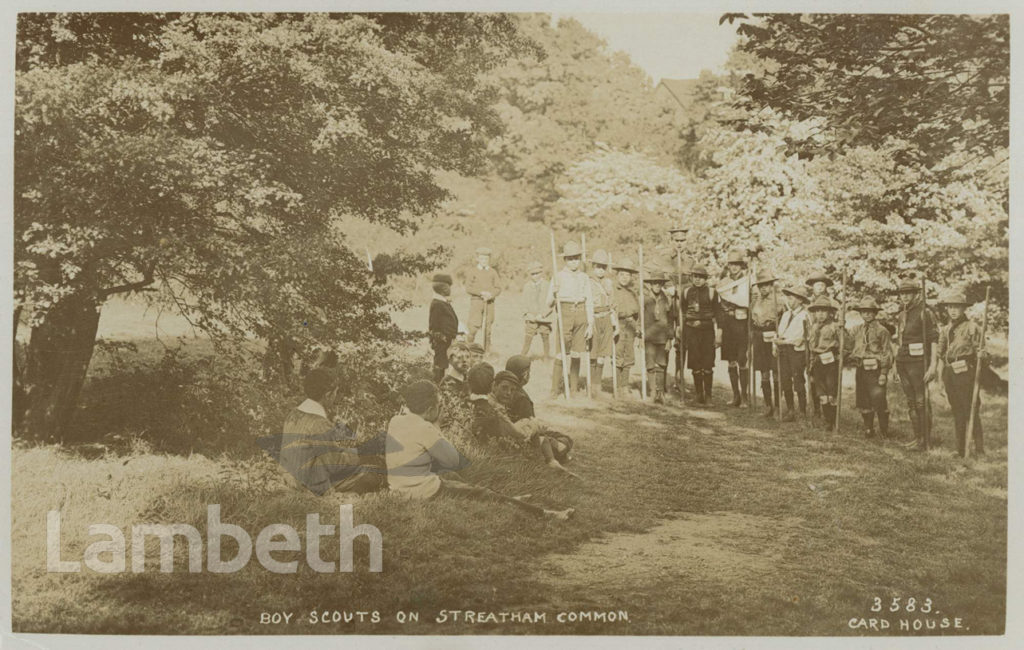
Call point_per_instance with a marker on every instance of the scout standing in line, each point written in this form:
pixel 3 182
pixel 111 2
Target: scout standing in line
pixel 679 265
pixel 659 325
pixel 913 360
pixel 823 346
pixel 733 320
pixel 869 349
pixel 538 314
pixel 700 304
pixel 764 318
pixel 627 309
pixel 819 284
pixel 960 349
pixel 604 319
pixel 443 324
pixel 483 285
pixel 572 289
pixel 791 348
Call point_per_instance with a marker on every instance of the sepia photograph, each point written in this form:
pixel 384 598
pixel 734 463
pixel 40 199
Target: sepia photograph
pixel 608 323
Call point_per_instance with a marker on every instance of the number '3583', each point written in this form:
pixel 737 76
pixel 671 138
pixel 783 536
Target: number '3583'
pixel 899 604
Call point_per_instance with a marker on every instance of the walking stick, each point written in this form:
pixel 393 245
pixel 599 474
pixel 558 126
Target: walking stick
pixel 752 396
pixel 615 321
pixel 643 339
pixel 777 394
pixel 558 315
pixel 926 428
pixel 487 330
pixel 839 370
pixel 976 389
pixel 681 352
pixel 586 344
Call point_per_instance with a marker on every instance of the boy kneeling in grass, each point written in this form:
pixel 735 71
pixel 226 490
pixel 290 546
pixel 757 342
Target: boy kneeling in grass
pixel 491 396
pixel 416 452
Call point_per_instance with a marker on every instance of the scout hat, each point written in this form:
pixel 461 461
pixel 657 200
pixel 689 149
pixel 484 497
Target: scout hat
pixel 908 286
pixel 625 265
pixel 796 291
pixel 420 395
pixel 678 227
pixel 506 375
pixel 736 257
pixel 535 267
pixel 764 277
pixel 699 270
pixel 867 304
pixel 821 303
pixel 953 297
pixel 571 249
pixel 600 256
pixel 654 275
pixel 476 348
pixel 819 277
pixel 483 250
pixel 442 278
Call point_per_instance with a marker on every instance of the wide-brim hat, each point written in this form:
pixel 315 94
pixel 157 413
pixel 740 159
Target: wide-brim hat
pixel 625 265
pixel 655 275
pixel 819 277
pixel 736 257
pixel 699 270
pixel 483 250
pixel 821 303
pixel 571 249
pixel 796 291
pixel 600 256
pixel 678 227
pixel 764 277
pixel 535 267
pixel 953 297
pixel 442 278
pixel 908 286
pixel 867 304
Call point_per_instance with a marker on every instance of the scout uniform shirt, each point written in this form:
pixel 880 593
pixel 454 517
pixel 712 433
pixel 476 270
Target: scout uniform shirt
pixel 574 287
pixel 537 310
pixel 699 306
pixel 659 317
pixel 601 289
pixel 959 343
pixel 824 343
pixel 911 331
pixel 869 346
pixel 794 328
pixel 627 306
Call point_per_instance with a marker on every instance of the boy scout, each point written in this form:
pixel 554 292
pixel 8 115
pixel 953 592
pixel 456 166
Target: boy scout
pixel 604 318
pixel 442 324
pixel 764 319
pixel 627 311
pixel 537 316
pixel 819 284
pixel 679 279
pixel 869 350
pixel 960 349
pixel 659 324
pixel 914 357
pixel 572 289
pixel 483 285
pixel 791 349
pixel 700 306
pixel 823 346
pixel 733 320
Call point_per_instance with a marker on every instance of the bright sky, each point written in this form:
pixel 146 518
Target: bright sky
pixel 677 46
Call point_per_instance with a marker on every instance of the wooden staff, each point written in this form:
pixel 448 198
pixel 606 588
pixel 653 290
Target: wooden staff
pixel 587 342
pixel 839 370
pixel 777 392
pixel 487 331
pixel 558 315
pixel 752 393
pixel 614 321
pixel 976 390
pixel 925 424
pixel 681 352
pixel 643 340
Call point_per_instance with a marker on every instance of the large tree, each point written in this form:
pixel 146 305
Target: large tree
pixel 209 157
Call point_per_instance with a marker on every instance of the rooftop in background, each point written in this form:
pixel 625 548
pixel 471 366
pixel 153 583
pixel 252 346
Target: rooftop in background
pixel 669 46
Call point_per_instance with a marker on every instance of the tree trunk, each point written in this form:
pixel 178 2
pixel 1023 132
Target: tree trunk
pixel 58 356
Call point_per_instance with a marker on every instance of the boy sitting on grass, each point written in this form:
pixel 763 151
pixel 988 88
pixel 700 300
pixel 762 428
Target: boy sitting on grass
pixel 490 395
pixel 416 453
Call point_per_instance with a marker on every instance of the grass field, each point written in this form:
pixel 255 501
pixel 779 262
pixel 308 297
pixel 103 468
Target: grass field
pixel 690 521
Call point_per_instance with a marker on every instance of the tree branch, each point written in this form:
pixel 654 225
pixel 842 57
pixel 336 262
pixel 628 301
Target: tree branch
pixel 140 285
